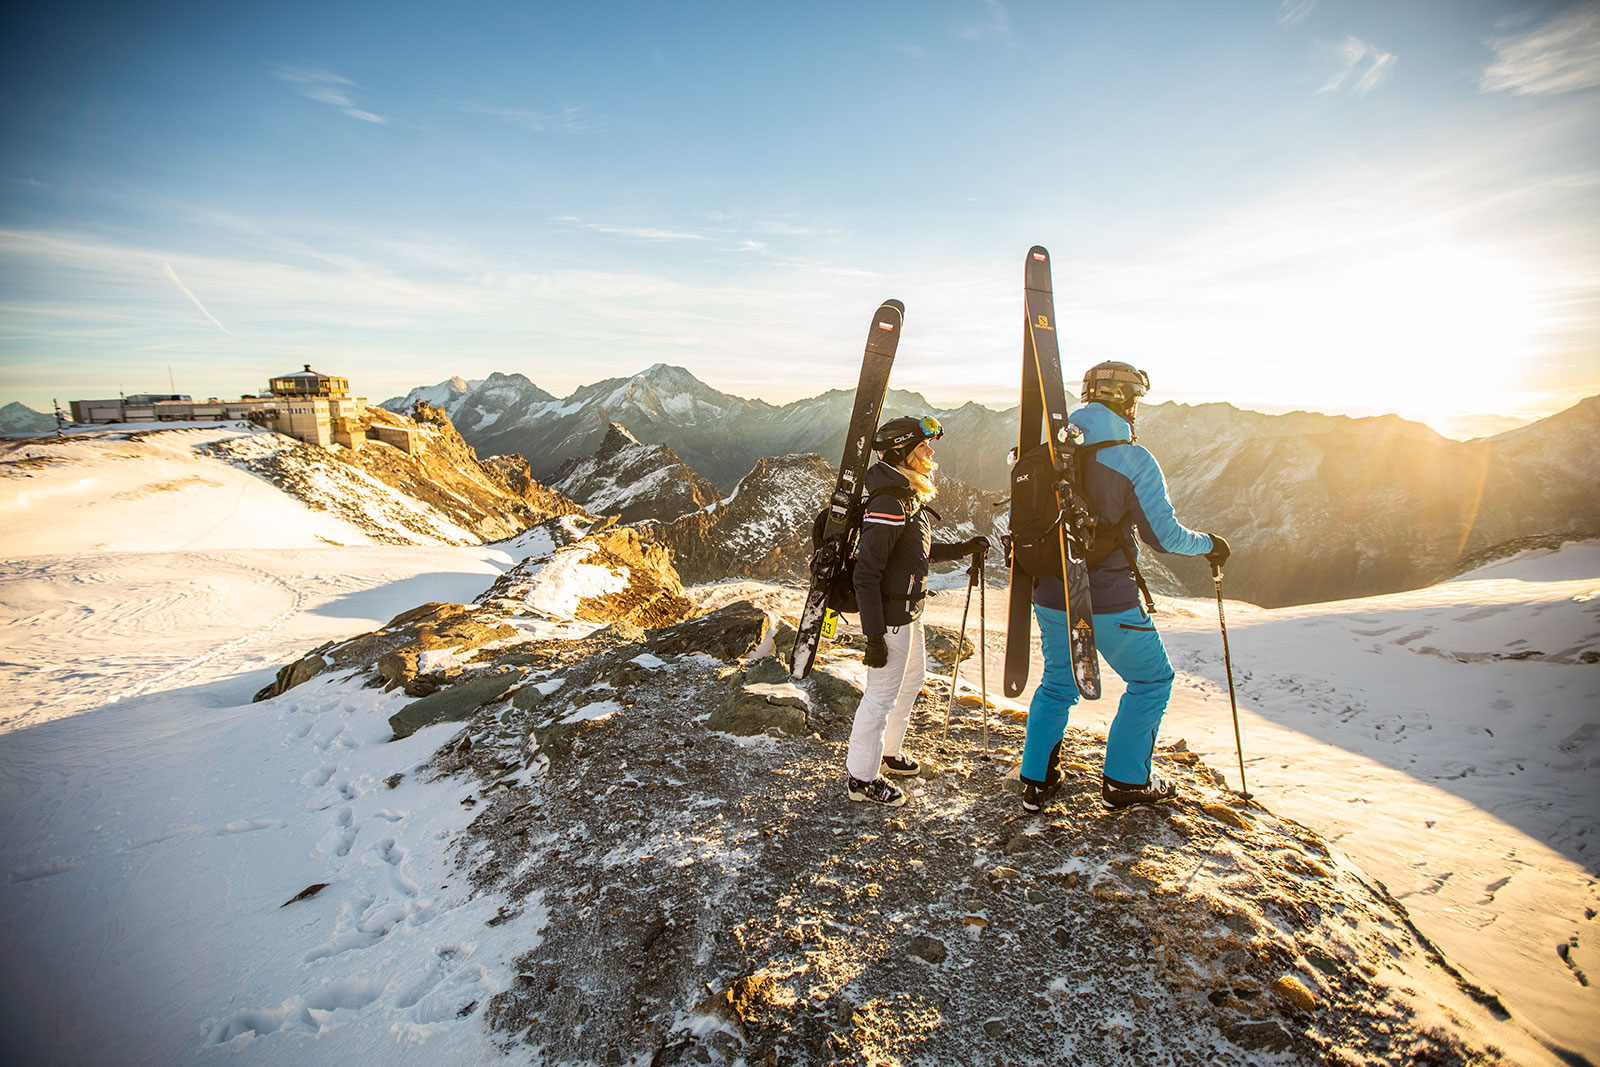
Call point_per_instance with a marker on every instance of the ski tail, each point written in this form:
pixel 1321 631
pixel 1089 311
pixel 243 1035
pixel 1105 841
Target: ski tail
pixel 1019 610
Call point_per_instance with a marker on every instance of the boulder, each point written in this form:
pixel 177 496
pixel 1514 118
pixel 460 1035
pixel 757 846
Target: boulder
pixel 453 704
pixel 754 709
pixel 768 671
pixel 301 670
pixel 837 697
pixel 730 633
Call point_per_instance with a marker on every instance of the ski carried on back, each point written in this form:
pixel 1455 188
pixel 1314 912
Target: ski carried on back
pixel 833 546
pixel 1062 551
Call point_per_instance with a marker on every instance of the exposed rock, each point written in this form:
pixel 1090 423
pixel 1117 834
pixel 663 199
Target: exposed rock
pixel 305 894
pixel 438 491
pixel 754 709
pixel 301 670
pixel 836 699
pixel 769 670
pixel 731 633
pixel 1189 961
pixel 453 704
pixel 1295 992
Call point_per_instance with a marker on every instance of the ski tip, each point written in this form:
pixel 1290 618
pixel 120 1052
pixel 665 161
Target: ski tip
pixel 901 308
pixel 1038 252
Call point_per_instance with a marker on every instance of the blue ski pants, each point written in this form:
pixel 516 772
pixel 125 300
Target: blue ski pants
pixel 1131 644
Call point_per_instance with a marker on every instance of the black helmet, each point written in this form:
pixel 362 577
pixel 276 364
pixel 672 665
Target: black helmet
pixel 1116 385
pixel 898 437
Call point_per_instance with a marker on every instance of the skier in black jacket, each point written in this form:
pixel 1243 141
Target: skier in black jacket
pixel 891 577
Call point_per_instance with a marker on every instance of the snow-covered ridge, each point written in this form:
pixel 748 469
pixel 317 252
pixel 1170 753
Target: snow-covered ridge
pixel 147 605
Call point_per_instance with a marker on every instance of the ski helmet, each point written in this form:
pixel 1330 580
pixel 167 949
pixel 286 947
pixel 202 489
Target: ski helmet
pixel 1116 385
pixel 898 437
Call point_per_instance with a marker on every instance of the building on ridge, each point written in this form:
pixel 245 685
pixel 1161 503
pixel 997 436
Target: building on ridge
pixel 307 405
pixel 317 409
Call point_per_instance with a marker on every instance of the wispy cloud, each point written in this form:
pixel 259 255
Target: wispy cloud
pixel 1365 67
pixel 570 118
pixel 172 276
pixel 328 88
pixel 1293 12
pixel 1560 56
pixel 649 233
pixel 780 228
pixel 995 26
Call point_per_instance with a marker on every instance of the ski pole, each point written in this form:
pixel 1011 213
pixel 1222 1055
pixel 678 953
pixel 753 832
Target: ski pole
pixel 983 643
pixel 1227 659
pixel 955 671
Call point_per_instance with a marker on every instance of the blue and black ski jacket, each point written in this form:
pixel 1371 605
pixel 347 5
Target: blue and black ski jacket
pixel 891 576
pixel 1125 489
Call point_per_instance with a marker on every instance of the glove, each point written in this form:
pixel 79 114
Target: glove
pixel 877 652
pixel 975 546
pixel 1219 550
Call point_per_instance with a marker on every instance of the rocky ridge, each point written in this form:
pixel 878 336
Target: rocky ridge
pixel 440 492
pixel 660 808
pixel 632 481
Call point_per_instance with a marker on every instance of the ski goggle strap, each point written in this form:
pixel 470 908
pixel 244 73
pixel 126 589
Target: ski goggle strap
pixel 1120 375
pixel 930 427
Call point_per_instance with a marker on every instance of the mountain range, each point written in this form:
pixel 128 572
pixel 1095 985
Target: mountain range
pixel 1316 507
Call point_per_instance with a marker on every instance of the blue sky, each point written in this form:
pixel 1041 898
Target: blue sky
pixel 1346 207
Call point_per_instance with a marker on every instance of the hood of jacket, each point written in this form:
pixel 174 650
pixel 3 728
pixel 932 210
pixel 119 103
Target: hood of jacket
pixel 882 476
pixel 1099 423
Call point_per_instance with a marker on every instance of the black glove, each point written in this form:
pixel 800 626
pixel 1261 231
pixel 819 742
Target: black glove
pixel 1219 550
pixel 975 546
pixel 877 652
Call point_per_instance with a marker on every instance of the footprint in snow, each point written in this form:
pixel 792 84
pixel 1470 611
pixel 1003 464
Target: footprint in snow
pixel 374 925
pixel 309 1015
pixel 394 856
pixel 447 960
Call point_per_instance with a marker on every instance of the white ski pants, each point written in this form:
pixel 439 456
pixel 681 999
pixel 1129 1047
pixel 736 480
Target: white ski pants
pixel 885 709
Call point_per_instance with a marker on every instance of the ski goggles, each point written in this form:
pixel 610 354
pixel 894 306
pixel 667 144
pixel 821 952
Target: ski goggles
pixel 930 427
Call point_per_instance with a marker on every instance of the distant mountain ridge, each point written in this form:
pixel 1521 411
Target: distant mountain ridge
pixel 1317 507
pixel 633 481
pixel 19 418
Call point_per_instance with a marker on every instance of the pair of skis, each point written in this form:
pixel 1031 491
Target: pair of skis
pixel 837 542
pixel 1044 406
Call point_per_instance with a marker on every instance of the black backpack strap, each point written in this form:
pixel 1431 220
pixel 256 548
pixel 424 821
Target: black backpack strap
pixel 1115 532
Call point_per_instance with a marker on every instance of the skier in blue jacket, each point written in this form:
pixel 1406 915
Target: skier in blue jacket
pixel 1125 490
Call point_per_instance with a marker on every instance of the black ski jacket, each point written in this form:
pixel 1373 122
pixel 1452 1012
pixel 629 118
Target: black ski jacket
pixel 892 558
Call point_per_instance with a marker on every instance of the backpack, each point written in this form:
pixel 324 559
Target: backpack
pixel 1036 515
pixel 842 586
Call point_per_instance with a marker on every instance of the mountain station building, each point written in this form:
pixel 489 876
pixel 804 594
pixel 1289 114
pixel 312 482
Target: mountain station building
pixel 307 405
